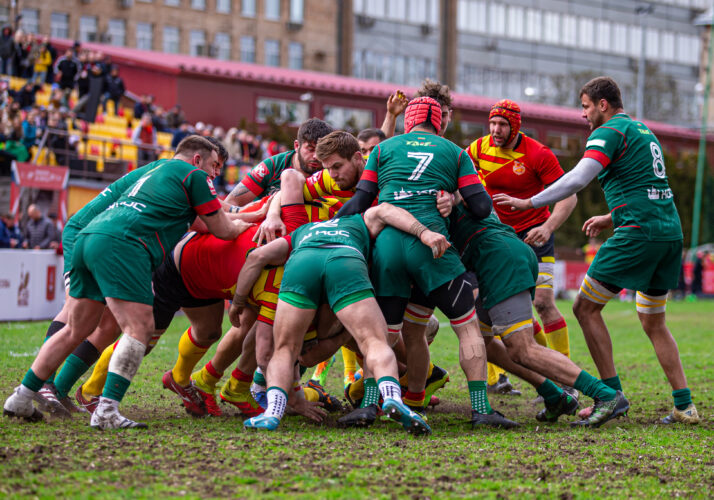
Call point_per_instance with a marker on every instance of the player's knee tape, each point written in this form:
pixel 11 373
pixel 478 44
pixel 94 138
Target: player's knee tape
pixel 512 315
pixel 417 314
pixel 594 291
pixel 545 275
pixel 127 357
pixel 472 347
pixel 650 304
pixel 393 332
pixel 432 328
pixel 455 298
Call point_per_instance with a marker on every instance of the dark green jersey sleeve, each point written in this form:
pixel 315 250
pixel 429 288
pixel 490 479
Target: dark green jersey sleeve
pixel 200 192
pixel 605 145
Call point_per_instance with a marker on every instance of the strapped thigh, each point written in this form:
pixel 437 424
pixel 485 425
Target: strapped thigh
pixel 650 304
pixel 597 292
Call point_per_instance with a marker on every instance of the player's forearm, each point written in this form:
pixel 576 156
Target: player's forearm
pixel 359 202
pixel 389 125
pixel 401 219
pixel 274 210
pixel 570 183
pixel 240 195
pixel 477 200
pixel 247 278
pixel 561 211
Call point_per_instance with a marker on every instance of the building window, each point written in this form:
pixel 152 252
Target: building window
pixel 570 30
pixel 59 25
pixel 247 8
pixel 295 55
pixel 586 33
pixel 31 20
pixel 223 6
pixel 349 119
pixel 272 53
pixel 668 46
pixel 198 4
pixel 652 44
pixel 497 18
pixel 534 25
pixel 247 49
pixel 272 10
pixel 222 43
pixel 516 17
pixel 197 43
pixel 417 11
pixel 619 38
pixel 635 39
pixel 87 29
pixel 144 36
pixel 397 8
pixel 297 11
pixel 172 3
pixel 604 35
pixel 117 32
pixel 376 8
pixel 551 27
pixel 171 40
pixel 281 111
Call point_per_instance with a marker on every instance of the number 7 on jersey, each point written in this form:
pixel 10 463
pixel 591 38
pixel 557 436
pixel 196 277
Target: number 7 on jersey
pixel 424 160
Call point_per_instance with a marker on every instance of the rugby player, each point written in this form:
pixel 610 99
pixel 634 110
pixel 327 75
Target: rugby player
pixel 112 263
pixel 368 139
pixel 328 259
pixel 645 251
pixel 510 162
pixel 408 171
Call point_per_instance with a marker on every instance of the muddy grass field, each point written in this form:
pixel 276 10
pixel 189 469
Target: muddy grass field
pixel 215 457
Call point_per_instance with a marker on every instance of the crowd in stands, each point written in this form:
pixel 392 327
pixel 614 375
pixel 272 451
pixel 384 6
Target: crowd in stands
pixel 35 231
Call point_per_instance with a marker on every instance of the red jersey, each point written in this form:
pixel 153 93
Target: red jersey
pixel 521 172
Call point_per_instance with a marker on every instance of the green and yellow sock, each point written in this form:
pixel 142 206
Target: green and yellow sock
pixel 479 398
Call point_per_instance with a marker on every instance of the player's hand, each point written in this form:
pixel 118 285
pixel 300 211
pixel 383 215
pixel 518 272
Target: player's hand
pixel 515 203
pixel 594 225
pixel 444 203
pixel 270 229
pixel 437 242
pixel 234 314
pixel 397 103
pixel 538 236
pixel 312 410
pixel 241 225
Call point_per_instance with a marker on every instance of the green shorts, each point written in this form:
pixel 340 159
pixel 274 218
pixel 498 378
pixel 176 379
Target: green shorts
pixel 335 276
pixel 400 259
pixel 504 266
pixel 638 264
pixel 104 266
pixel 69 237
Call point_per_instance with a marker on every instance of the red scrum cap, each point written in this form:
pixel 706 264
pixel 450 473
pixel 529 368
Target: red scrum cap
pixel 420 110
pixel 511 112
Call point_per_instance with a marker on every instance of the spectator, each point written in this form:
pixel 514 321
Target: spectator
pixel 180 134
pixel 144 136
pixel 158 118
pixel 58 140
pixel 232 144
pixel 67 69
pixel 29 129
pixel 39 231
pixel 114 89
pixel 42 61
pixel 26 95
pixel 7 50
pixel 23 45
pixel 82 83
pixel 143 106
pixel 175 117
pixel 10 235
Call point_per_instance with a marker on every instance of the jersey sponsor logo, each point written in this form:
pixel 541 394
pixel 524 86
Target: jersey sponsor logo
pixel 106 191
pixel 210 186
pixel 595 143
pixel 259 172
pixel 139 207
pixel 659 194
pixel 420 143
pixel 403 194
pixel 336 232
pixel 518 168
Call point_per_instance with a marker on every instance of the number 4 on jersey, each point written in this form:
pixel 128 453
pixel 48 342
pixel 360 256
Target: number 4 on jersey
pixel 424 160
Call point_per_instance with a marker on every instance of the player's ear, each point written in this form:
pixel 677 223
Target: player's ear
pixel 296 145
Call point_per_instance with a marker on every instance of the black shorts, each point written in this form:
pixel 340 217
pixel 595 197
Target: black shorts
pixel 170 294
pixel 547 249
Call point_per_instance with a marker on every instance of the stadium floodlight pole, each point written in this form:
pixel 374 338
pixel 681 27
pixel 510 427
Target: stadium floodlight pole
pixel 642 11
pixel 702 155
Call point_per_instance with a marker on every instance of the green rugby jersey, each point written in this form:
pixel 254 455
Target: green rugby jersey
pixel 410 169
pixel 264 178
pixel 634 180
pixel 466 232
pixel 109 195
pixel 159 207
pixel 349 231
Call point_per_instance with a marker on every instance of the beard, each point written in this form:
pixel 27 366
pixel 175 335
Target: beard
pixel 306 167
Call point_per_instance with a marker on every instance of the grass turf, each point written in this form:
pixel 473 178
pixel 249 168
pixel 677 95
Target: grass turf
pixel 183 456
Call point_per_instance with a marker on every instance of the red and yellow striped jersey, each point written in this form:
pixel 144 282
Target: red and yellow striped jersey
pixel 521 172
pixel 321 185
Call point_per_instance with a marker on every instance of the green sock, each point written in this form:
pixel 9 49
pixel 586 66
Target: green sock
pixel 115 387
pixel 479 398
pixel 259 378
pixel 682 398
pixel 32 381
pixel 371 393
pixel 549 391
pixel 54 327
pixel 590 386
pixel 613 382
pixel 72 370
